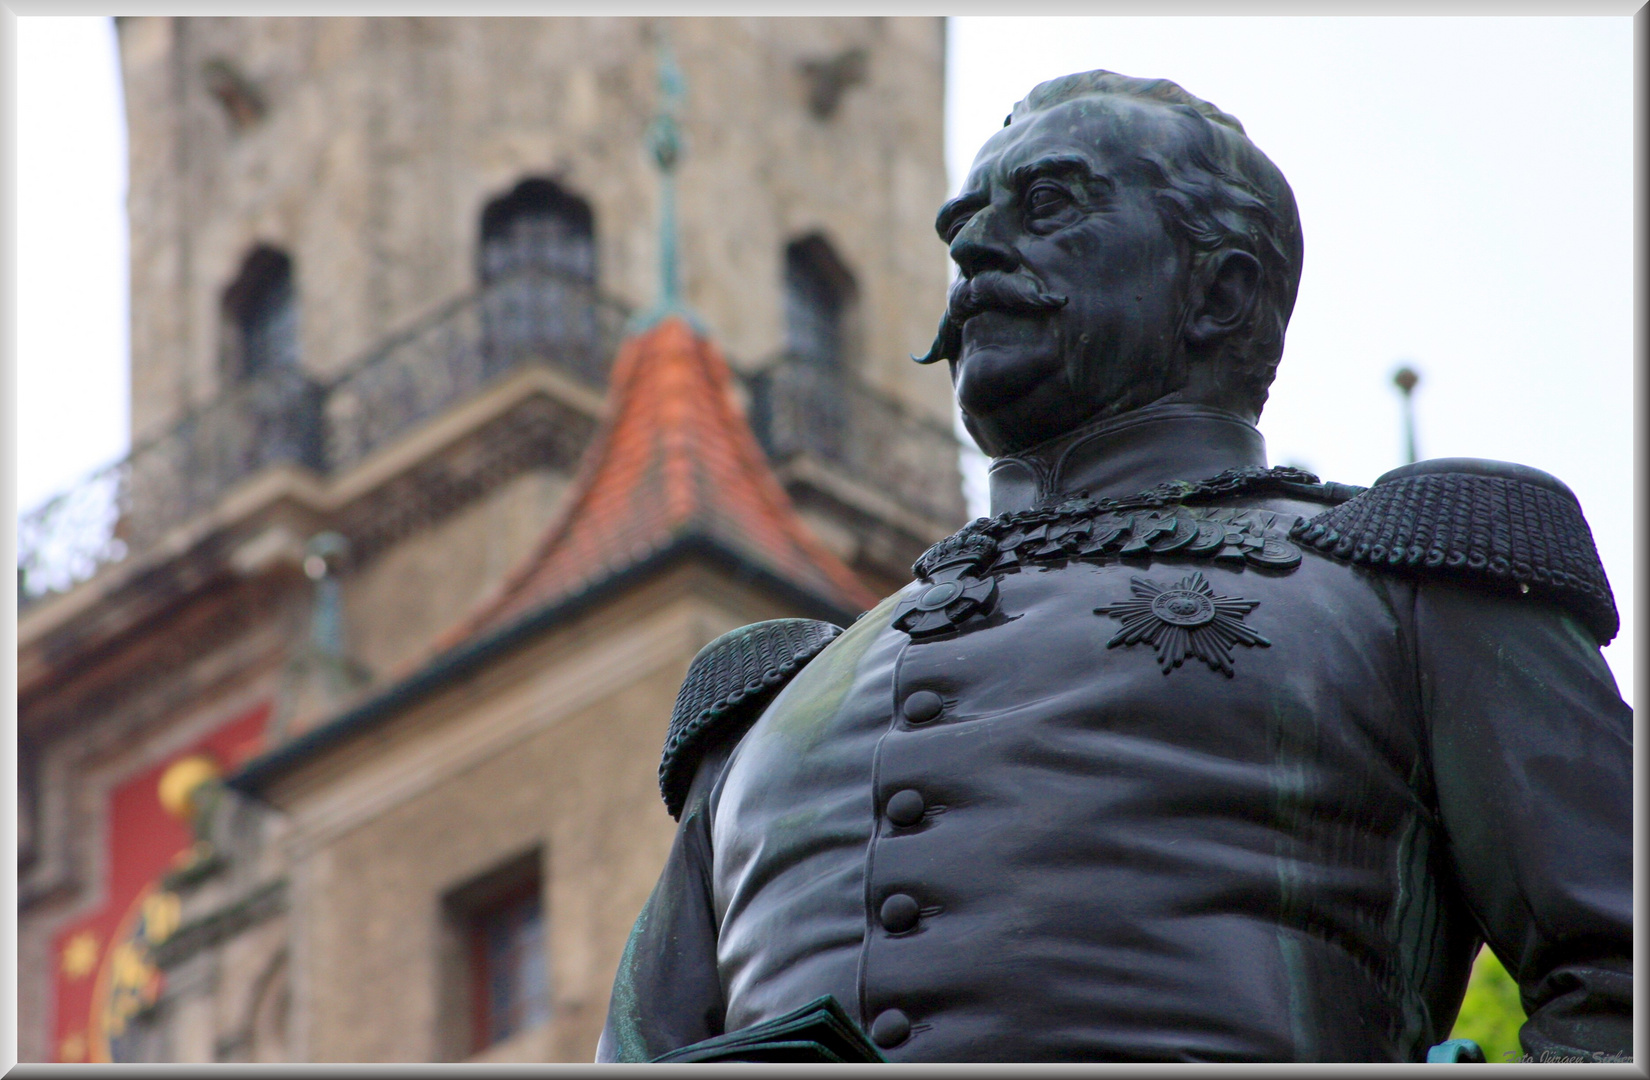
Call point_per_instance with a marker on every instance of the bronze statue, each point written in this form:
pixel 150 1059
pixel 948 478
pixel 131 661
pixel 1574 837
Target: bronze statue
pixel 1176 757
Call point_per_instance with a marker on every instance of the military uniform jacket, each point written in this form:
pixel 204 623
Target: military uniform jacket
pixel 1187 778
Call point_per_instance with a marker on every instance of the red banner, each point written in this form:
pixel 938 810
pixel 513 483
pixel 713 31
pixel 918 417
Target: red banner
pixel 102 975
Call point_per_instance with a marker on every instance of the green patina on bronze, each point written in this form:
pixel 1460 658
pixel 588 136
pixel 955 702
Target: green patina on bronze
pixel 802 712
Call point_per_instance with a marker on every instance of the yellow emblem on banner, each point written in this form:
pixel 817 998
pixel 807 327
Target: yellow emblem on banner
pixel 79 955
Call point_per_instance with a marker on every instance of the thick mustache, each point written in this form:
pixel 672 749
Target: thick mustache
pixel 1016 294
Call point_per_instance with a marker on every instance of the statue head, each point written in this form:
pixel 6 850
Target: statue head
pixel 1121 243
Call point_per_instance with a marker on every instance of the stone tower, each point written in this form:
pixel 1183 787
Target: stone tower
pixel 380 272
pixel 360 159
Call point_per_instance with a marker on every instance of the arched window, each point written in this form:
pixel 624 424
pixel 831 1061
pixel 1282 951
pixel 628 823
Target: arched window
pixel 802 402
pixel 261 311
pixel 538 270
pixel 277 410
pixel 819 291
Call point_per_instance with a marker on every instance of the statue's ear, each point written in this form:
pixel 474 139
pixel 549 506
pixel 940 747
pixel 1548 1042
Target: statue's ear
pixel 1224 298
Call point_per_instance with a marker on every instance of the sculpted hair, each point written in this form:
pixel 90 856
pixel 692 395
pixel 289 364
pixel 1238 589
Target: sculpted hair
pixel 1221 193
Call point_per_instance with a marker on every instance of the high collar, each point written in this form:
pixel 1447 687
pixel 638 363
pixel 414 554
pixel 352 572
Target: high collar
pixel 1126 455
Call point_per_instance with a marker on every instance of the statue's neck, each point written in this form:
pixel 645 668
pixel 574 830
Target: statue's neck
pixel 1126 455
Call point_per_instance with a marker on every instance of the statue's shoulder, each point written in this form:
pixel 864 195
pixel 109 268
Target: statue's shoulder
pixel 728 684
pixel 1491 525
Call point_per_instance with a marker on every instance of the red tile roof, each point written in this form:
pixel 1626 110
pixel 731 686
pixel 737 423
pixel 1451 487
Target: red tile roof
pixel 674 459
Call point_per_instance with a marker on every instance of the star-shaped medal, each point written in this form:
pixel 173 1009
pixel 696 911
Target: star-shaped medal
pixel 1185 619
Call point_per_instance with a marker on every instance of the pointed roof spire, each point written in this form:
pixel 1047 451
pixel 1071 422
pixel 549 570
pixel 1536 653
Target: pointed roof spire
pixel 674 464
pixel 674 471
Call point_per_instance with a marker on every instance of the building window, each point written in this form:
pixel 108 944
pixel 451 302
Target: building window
pixel 499 927
pixel 276 410
pixel 261 309
pixel 538 228
pixel 509 988
pixel 818 294
pixel 538 272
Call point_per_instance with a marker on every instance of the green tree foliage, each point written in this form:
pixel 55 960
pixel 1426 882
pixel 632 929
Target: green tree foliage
pixel 1491 1013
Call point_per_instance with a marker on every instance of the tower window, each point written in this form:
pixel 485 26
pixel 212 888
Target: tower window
pixel 538 272
pixel 500 930
pixel 818 293
pixel 261 307
pixel 538 228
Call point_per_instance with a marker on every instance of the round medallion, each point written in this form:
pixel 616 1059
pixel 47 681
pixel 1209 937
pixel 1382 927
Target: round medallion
pixel 1276 554
pixel 1185 531
pixel 1105 535
pixel 1210 536
pixel 1183 607
pixel 939 596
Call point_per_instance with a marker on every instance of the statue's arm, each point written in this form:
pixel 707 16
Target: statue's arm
pixel 667 993
pixel 1532 757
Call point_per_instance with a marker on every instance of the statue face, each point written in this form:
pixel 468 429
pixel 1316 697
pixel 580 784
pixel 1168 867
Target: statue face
pixel 1057 206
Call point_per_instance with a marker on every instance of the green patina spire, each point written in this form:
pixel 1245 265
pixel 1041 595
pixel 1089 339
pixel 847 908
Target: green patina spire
pixel 665 140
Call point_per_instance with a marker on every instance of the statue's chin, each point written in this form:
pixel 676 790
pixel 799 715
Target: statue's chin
pixel 1003 359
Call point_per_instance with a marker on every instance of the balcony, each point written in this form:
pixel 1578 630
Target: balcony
pixel 806 413
pixel 289 418
pixel 804 416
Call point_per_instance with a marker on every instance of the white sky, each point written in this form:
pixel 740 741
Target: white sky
pixel 72 339
pixel 1465 189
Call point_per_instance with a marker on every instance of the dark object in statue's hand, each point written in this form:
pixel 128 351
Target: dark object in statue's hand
pixel 819 1032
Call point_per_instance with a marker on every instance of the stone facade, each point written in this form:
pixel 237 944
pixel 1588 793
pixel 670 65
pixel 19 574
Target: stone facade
pixel 381 140
pixel 556 757
pixel 315 923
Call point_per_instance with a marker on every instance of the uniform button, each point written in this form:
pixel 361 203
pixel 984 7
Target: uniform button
pixel 923 706
pixel 906 807
pixel 890 1028
pixel 899 913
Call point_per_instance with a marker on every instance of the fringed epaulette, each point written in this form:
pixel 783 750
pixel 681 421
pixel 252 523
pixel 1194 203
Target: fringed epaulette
pixel 730 682
pixel 1484 523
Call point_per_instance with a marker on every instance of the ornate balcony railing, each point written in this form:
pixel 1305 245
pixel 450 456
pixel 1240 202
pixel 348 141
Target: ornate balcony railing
pixel 531 317
pixel 801 407
pixel 289 417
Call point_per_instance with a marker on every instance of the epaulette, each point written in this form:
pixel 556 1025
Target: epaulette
pixel 729 682
pixel 1488 524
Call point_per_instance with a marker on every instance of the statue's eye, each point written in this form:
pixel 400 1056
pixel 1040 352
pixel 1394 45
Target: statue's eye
pixel 1046 198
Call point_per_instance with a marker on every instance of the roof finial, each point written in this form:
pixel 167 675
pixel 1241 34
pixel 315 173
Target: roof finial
pixel 1406 379
pixel 665 140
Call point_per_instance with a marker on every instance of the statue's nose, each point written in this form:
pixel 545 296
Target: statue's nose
pixel 975 251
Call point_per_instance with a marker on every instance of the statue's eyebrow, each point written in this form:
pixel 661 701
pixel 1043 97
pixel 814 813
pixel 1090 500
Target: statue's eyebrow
pixel 1021 176
pixel 966 203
